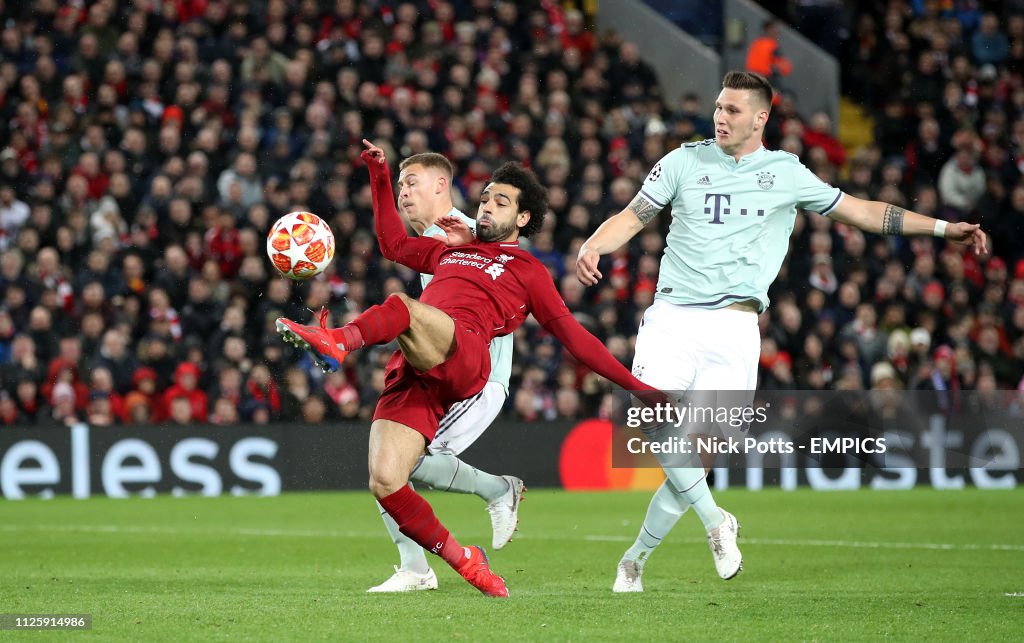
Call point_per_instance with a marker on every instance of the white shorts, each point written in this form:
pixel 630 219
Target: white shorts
pixel 700 351
pixel 467 420
pixel 696 349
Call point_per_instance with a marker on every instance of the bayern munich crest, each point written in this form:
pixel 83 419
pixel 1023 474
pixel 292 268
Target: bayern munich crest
pixel 765 180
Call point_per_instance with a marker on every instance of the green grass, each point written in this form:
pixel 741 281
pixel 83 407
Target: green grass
pixel 818 566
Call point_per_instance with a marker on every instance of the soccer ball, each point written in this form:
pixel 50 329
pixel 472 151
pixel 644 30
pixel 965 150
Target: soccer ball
pixel 300 245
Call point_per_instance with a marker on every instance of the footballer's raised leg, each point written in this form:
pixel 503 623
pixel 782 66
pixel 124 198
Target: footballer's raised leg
pixel 376 325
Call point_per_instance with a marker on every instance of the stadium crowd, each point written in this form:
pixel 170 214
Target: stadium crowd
pixel 151 145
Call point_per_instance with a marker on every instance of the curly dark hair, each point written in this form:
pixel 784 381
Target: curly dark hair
pixel 533 196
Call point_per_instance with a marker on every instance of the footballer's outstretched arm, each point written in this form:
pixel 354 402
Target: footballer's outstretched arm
pixel 550 310
pixel 615 231
pixel 885 218
pixel 419 253
pixel 592 353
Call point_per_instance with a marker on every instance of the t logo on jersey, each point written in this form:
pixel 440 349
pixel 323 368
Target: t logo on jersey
pixel 495 270
pixel 721 207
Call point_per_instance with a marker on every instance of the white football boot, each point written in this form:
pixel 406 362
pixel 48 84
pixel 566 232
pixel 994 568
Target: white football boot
pixel 404 580
pixel 628 577
pixel 722 541
pixel 505 512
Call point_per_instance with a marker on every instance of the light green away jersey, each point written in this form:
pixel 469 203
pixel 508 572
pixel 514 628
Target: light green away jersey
pixel 731 220
pixel 501 347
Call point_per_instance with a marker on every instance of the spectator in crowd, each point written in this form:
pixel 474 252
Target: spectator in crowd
pixel 819 134
pixel 140 401
pixel 13 212
pixel 63 406
pixel 186 382
pixel 225 412
pixel 101 383
pixel 31 407
pixel 314 410
pixel 181 411
pixel 114 358
pixel 764 56
pixel 962 182
pixel 99 411
pixel 989 45
pixel 927 154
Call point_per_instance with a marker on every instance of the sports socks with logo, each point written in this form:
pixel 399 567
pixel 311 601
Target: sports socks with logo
pixel 416 518
pixel 443 471
pixel 410 554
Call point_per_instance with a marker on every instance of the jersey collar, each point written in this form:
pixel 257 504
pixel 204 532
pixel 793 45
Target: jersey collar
pixel 744 160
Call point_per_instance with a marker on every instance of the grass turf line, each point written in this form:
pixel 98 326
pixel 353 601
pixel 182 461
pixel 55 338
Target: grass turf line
pixel 296 567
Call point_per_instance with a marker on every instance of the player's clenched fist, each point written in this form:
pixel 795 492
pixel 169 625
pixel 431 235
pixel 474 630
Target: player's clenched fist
pixel 586 266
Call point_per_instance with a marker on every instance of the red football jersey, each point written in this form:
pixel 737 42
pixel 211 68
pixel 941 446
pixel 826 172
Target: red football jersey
pixel 490 286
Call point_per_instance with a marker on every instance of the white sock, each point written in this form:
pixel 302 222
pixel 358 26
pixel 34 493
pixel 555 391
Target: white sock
pixel 409 553
pixel 666 508
pixel 692 484
pixel 445 472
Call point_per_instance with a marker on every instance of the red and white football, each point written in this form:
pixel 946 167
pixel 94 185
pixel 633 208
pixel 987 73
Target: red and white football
pixel 300 245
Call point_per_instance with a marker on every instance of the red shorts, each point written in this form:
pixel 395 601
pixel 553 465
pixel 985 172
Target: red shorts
pixel 420 399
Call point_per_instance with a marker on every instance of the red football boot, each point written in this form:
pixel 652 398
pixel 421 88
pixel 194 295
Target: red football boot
pixel 478 573
pixel 317 341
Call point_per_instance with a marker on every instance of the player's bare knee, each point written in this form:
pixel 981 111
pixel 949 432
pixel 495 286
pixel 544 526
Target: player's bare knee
pixel 385 481
pixel 382 486
pixel 376 489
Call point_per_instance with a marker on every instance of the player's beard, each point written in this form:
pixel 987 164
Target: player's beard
pixel 495 232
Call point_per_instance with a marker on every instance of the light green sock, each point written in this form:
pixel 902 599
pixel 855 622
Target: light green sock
pixel 685 472
pixel 409 552
pixel 445 472
pixel 666 508
pixel 692 484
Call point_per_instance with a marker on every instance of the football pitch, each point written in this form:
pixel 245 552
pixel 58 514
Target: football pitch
pixel 921 564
